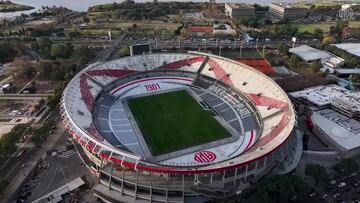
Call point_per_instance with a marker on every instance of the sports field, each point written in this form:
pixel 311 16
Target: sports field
pixel 173 121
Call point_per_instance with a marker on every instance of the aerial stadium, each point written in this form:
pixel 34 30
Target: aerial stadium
pixel 179 127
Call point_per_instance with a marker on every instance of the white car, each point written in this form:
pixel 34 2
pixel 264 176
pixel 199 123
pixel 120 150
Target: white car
pixel 342 184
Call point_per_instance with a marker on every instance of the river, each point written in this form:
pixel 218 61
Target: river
pixel 83 5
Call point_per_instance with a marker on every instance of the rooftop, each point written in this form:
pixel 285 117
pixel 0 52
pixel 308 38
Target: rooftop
pixel 342 129
pixel 352 48
pixel 308 53
pixel 208 29
pixel 331 95
pixel 285 5
pixel 240 6
pixel 348 71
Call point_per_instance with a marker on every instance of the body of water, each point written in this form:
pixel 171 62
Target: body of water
pixel 83 5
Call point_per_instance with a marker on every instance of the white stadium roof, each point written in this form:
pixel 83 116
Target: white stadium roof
pixel 352 48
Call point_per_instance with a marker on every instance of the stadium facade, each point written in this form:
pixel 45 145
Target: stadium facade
pixel 131 164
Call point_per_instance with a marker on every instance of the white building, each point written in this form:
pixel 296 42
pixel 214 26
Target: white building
pixel 335 115
pixel 234 10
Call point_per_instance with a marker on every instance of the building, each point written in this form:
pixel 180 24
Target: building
pixel 199 31
pixel 233 10
pixel 223 30
pixel 310 54
pixel 352 48
pixel 346 72
pixel 334 116
pixel 258 115
pixel 287 11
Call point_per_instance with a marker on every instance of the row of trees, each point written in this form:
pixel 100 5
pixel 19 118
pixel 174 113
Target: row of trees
pixel 41 134
pixel 137 11
pixel 48 49
pixel 8 141
pixel 8 51
pixel 281 188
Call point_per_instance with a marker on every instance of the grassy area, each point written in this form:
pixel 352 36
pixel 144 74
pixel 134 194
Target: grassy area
pixel 7 6
pixel 310 27
pixel 235 53
pixel 324 26
pixel 173 121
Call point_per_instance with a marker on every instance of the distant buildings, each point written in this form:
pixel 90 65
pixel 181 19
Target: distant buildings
pixel 287 11
pixel 334 116
pixel 233 10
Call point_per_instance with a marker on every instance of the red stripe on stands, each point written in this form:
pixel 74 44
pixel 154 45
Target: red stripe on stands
pixel 251 139
pixel 148 79
pixel 262 100
pixel 219 72
pixel 182 63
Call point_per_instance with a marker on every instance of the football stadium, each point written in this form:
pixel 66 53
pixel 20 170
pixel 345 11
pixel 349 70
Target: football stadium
pixel 179 127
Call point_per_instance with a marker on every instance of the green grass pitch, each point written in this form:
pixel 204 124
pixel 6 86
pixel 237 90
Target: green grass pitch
pixel 173 121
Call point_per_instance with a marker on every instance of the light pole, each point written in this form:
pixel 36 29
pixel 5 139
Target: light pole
pixel 257 42
pixel 240 51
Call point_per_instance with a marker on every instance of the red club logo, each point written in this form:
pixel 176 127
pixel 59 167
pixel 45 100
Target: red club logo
pixel 205 156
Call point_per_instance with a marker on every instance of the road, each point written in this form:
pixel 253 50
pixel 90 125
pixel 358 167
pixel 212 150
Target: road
pixel 22 96
pixel 16 170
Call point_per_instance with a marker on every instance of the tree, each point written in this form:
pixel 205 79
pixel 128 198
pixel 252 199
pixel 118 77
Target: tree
pixel 61 50
pixel 283 48
pixel 22 69
pixel 125 51
pixel 295 61
pixel 346 166
pixel 317 172
pixel 3 185
pixel 316 66
pixel 84 54
pixel 7 52
pixel 318 33
pixel 44 43
pixel 281 188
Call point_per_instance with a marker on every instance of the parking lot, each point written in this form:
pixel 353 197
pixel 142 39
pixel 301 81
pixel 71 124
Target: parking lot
pixel 342 189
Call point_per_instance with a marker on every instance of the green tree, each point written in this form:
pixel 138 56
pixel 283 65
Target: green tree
pixel 44 43
pixel 281 188
pixel 317 172
pixel 124 51
pixel 22 69
pixel 7 52
pixel 315 67
pixel 61 50
pixel 283 48
pixel 346 166
pixel 3 185
pixel 318 33
pixel 84 54
pixel 295 62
